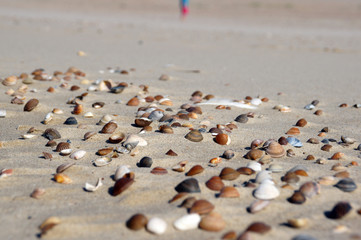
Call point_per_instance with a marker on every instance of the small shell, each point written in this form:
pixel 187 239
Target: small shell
pixel 71 121
pixel 31 104
pixel 275 150
pixel 346 185
pixel 215 183
pixel 166 129
pixel 2 113
pixel 294 142
pixel 263 175
pixel 293 131
pixel 297 198
pixel 64 166
pixel 246 170
pixel 327 180
pixel 195 170
pixel 266 191
pixel 258 227
pixel 301 123
pixel 255 166
pixel 194 136
pixel 298 222
pixel 101 162
pixel 313 141
pixel 105 151
pixel 189 185
pixel 37 193
pixel 57 111
pixel 120 172
pixel 109 128
pixel 228 154
pixel 326 147
pixel 91 188
pixel 61 146
pixel 89 135
pixel 51 134
pixel 48 118
pixel 310 189
pixel 133 102
pixel 48 224
pixel 78 109
pixel 159 171
pixel 241 118
pixel 340 210
pixel 105 119
pixel 62 178
pixel 135 139
pixel 254 154
pixel 28 136
pixel 156 225
pixel 65 152
pixel 201 207
pixel 121 185
pixel 229 192
pixel 142 122
pixel 10 81
pixel 275 168
pixel 258 205
pixel 78 154
pixel 212 222
pixel 187 222
pixel 337 156
pixel 145 162
pixel 223 139
pixel 88 115
pixel 171 153
pixel 229 174
pixel 137 222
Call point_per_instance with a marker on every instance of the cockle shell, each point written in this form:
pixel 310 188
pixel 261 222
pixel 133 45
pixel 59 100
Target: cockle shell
pixel 78 154
pixel 266 191
pixel 195 170
pixel 187 222
pixel 61 146
pixel 275 150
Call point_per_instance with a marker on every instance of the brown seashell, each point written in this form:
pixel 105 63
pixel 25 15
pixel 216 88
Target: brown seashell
pixel 326 147
pixel 137 222
pixel 31 104
pixel 194 136
pixel 89 135
pixel 337 156
pixel 133 102
pixel 290 177
pixel 197 94
pixel 192 115
pixel 121 185
pixel 293 131
pixel 275 150
pixel 313 141
pixel 166 129
pixel 338 167
pixel 47 155
pixel 290 153
pixel 51 89
pixel 51 143
pixel 62 178
pixel 188 202
pixel 325 129
pixel 340 210
pixel 310 157
pixel 116 137
pixel 142 122
pixel 98 105
pixel 245 171
pixel 318 112
pixel 310 189
pixel 301 172
pixel 201 207
pixel 195 170
pixel 178 196
pixel 74 88
pixel 343 174
pixel 229 192
pixel 147 129
pixel 171 153
pixel 109 127
pixel 343 105
pixel 9 81
pixel 282 141
pixel 231 235
pixel 254 154
pixel 212 222
pixel 297 198
pixel 64 167
pixel 223 139
pixel 159 171
pixel 215 160
pixel 61 146
pixel 180 167
pixel 215 183
pixel 105 151
pixel 301 123
pixel 37 193
pixel 165 102
pixel 78 109
pixel 258 227
pixel 158 97
pixel 228 173
pixel 321 134
pixel 48 224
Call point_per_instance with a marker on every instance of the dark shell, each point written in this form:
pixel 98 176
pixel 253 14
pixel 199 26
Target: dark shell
pixel 215 131
pixel 171 153
pixel 241 118
pixel 194 136
pixel 109 127
pixel 340 210
pixel 51 143
pixel 258 227
pixel 121 185
pixel 71 121
pixel 297 198
pixel 51 134
pixel 282 141
pixel 189 185
pixel 346 185
pixel 117 89
pixel 145 162
pixel 137 222
pixel 31 104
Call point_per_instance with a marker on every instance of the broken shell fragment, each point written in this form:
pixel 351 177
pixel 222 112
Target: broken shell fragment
pixel 91 188
pixel 120 172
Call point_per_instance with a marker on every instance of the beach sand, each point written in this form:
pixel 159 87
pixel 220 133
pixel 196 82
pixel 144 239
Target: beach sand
pixel 291 52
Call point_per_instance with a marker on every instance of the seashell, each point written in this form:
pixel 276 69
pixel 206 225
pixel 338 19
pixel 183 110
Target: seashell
pixel 262 175
pixel 48 224
pixel 145 162
pixel 47 155
pixel 337 156
pixel 64 167
pixel 156 225
pixel 120 172
pixel 258 205
pixel 290 153
pixel 256 101
pixel 231 235
pixel 344 229
pixel 28 136
pixel 290 177
pixel 165 102
pixel 78 109
pixel 347 140
pixel 187 222
pixel 165 77
pixel 2 113
pixel 88 115
pixel 255 166
pixel 282 141
pixel 303 237
pixel 293 131
pixel 265 160
pixel 215 183
pixel 241 118
pixel 194 136
pixel 188 202
pixel 228 154
pixel 136 140
pixel 229 192
pixel 180 167
pixel 212 222
pixel 89 135
pixel 276 168
pixel 197 94
pixel 310 189
pixel 294 142
pixel 258 227
pixel 105 151
pixel 51 134
pixel 310 157
pixel 78 154
pixel 245 171
pixel 215 131
pixel 313 141
pixel 166 129
pixel 62 178
pixel 338 167
pixel 37 193
pixel 110 127
pixel 301 172
pixel 340 210
pixel 195 170
pixel 65 152
pixel 133 102
pixel 118 89
pixel 48 118
pixel 61 146
pixel 142 122
pixel 10 81
pixel 201 207
pixel 101 162
pixel 105 119
pixel 297 198
pixel 275 150
pixel 326 180
pixel 116 138
pixel 137 222
pixel 98 105
pixel 71 121
pixel 301 123
pixel 343 174
pixel 31 104
pixel 254 154
pixel 223 139
pixel 266 191
pixel 156 115
pixel 309 106
pixel 91 188
pixel 346 185
pixel 171 153
pixel 298 222
pixel 229 174
pixel 326 147
pixel 159 171
pixel 121 185
pixel 189 185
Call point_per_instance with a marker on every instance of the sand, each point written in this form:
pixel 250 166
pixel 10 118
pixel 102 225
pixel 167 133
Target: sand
pixel 291 52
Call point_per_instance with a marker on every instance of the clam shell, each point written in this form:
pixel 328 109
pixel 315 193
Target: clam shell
pixel 229 174
pixel 301 123
pixel 65 152
pixel 77 154
pixel 10 81
pixel 290 177
pixel 48 118
pixel 51 134
pixel 47 155
pixel 116 137
pixel 195 170
pixel 254 154
pixel 120 172
pixel 105 119
pixel 201 207
pixel 31 104
pixel 166 129
pixel 229 192
pixel 171 153
pixel 194 136
pixel 71 121
pixel 310 189
pixel 180 167
pixel 215 183
pixel 275 150
pixel 245 171
pixel 64 167
pixel 241 118
pixel 37 193
pixel 101 162
pixel 276 168
pixel 258 205
pixel 256 143
pixel 337 156
pixel 156 115
pixel 228 154
pixel 105 151
pixel 137 222
pixel 255 166
pixel 110 127
pixel 340 210
pixel 159 171
pixel 223 139
pixel 212 222
pixel 294 142
pixel 297 198
pixel 61 146
pixel 266 191
pixel 258 227
pixel 156 225
pixel 133 102
pixel 145 162
pixel 326 147
pixel 89 135
pixel 142 122
pixel 187 222
pixel 78 109
pixel 346 185
pixel 121 185
pixel 189 185
pixel 88 115
pixel 262 175
pixel 298 222
pixel 135 139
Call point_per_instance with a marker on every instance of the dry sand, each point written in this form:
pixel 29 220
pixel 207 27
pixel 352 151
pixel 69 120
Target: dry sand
pixel 306 50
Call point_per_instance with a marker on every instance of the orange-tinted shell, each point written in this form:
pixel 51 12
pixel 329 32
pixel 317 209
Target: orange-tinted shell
pixel 293 131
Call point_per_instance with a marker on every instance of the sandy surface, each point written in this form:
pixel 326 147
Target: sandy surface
pixel 305 50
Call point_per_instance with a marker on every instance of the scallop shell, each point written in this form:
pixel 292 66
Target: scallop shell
pixel 110 127
pixel 275 150
pixel 31 104
pixel 223 139
pixel 101 162
pixel 194 136
pixel 78 154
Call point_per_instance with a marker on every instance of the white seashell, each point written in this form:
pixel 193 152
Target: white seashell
pixel 187 222
pixel 256 101
pixel 156 225
pixel 255 166
pixel 101 162
pixel 133 139
pixel 57 111
pixel 118 101
pixel 285 109
pixel 105 119
pixel 91 188
pixel 78 154
pixel 65 152
pixel 28 136
pixel 156 115
pixel 88 115
pixel 266 191
pixel 122 150
pixel 263 175
pixel 92 88
pixel 120 172
pixel 309 106
pixel 2 113
pixel 258 205
pixel 276 168
pixel 48 118
pixel 226 102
